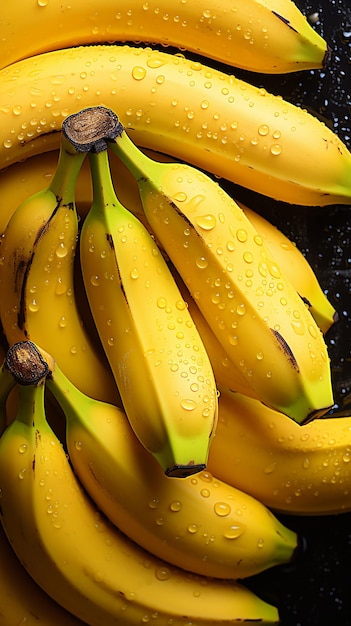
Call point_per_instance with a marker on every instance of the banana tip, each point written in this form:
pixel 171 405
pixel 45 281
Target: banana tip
pixel 182 471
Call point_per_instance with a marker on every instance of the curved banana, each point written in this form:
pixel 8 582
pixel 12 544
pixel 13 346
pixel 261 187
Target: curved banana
pixel 297 269
pixel 249 36
pixel 174 105
pixel 292 469
pixel 236 283
pixel 79 558
pixel 160 365
pixel 198 523
pixel 37 281
pixel 21 600
pixel 23 179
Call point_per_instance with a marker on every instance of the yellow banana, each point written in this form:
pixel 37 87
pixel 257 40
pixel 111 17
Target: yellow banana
pixel 80 559
pixel 157 357
pixel 263 36
pixel 197 523
pixel 21 600
pixel 174 105
pixel 296 267
pixel 292 469
pixel 236 283
pixel 37 255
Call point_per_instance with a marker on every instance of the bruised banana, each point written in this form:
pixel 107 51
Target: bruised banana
pixel 292 469
pixel 156 354
pixel 198 523
pixel 23 179
pixel 235 281
pixel 174 105
pixel 296 268
pixel 37 256
pixel 264 36
pixel 81 560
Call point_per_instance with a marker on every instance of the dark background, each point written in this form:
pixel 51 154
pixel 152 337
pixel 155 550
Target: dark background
pixel 316 589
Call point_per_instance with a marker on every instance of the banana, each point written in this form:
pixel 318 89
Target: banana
pixel 238 286
pixel 295 470
pixel 81 560
pixel 175 105
pixel 198 523
pixel 297 269
pixel 264 36
pixel 37 256
pixel 159 362
pixel 21 600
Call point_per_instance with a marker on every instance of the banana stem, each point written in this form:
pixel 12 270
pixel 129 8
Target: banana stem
pixel 65 177
pixel 132 157
pixel 7 383
pixel 103 190
pixel 31 404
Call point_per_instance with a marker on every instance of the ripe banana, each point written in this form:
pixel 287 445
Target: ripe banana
pixel 297 269
pixel 159 362
pixel 198 523
pixel 238 286
pixel 249 35
pixel 37 256
pixel 78 557
pixel 22 601
pixel 174 105
pixel 292 469
pixel 23 179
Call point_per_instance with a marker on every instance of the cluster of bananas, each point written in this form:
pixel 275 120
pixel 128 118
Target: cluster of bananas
pixel 164 365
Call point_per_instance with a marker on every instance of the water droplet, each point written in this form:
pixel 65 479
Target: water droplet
pixel 192 529
pixel 23 448
pixel 276 149
pixel 175 506
pixel 207 221
pixel 163 573
pixel 134 273
pixel 234 531
pixel 161 303
pixel 298 327
pixel 201 262
pixel 263 130
pixel 222 509
pixel 33 306
pixel 22 473
pixel 205 493
pixel 241 309
pixel 248 257
pixel 241 235
pixel 138 72
pixel 154 503
pixel 188 405
pixel 180 196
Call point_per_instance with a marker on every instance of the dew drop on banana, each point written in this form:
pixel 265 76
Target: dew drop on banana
pixel 193 529
pixel 222 509
pixel 234 531
pixel 163 573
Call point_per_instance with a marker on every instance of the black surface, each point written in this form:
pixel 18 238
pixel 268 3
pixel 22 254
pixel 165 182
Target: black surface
pixel 316 589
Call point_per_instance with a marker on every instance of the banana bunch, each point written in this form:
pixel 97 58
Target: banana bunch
pixel 163 345
pixel 83 561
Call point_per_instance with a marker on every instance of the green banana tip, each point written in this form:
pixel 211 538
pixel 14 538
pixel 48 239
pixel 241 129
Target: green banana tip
pixel 90 129
pixel 26 364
